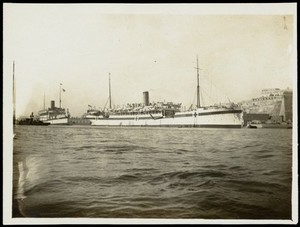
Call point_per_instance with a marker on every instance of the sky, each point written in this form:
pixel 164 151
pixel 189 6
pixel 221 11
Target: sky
pixel 241 50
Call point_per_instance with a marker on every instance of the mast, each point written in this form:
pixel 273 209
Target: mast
pixel 14 95
pixel 60 95
pixel 44 101
pixel 109 93
pixel 198 86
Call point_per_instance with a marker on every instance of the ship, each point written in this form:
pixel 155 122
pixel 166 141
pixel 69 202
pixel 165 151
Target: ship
pixel 55 115
pixel 169 114
pixel 32 120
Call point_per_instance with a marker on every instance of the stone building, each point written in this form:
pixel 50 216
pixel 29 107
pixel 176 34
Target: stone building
pixel 273 102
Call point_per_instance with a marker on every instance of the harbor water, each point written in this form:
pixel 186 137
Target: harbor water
pixel 119 172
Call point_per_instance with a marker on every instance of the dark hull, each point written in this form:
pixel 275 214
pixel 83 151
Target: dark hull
pixel 32 122
pixel 79 121
pixel 253 126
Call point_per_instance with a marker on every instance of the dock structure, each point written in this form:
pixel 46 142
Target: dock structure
pixel 276 104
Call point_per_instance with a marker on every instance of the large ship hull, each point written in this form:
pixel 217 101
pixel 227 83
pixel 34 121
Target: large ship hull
pixel 221 118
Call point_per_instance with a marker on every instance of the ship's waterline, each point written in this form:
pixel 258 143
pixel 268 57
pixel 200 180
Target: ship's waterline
pixel 58 121
pixel 200 118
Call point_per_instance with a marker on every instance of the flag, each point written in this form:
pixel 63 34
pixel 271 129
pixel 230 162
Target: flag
pixel 63 90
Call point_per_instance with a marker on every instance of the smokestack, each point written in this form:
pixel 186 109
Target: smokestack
pixel 52 104
pixel 146 98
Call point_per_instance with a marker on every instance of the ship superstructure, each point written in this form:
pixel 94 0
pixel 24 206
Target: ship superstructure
pixel 54 115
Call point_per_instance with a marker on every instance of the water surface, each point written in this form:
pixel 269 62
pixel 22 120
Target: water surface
pixel 103 172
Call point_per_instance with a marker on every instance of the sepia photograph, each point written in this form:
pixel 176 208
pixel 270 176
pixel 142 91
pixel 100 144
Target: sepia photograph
pixel 150 113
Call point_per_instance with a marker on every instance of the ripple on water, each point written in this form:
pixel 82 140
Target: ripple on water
pixel 154 173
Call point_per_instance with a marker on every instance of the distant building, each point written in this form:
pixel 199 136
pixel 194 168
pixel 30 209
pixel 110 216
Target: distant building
pixel 287 105
pixel 274 102
pixel 272 92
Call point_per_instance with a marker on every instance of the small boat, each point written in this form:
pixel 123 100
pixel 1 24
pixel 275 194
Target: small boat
pixel 255 124
pixel 259 124
pixel 92 113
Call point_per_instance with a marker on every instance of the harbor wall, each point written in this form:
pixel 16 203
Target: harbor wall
pixel 278 106
pixel 79 121
pixel 248 117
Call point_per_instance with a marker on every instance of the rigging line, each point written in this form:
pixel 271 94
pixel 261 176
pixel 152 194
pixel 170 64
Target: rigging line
pixel 191 104
pixel 223 93
pixel 106 104
pixel 203 88
pixel 209 97
pixel 210 79
pixel 194 97
pixel 210 88
pixel 202 99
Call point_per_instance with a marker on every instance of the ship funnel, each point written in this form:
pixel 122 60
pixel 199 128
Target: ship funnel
pixel 146 98
pixel 52 104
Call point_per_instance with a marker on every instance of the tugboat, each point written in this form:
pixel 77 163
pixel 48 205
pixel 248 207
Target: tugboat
pixel 32 121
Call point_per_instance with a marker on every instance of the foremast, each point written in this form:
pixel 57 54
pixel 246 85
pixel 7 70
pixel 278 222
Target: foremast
pixel 109 93
pixel 198 86
pixel 14 95
pixel 60 95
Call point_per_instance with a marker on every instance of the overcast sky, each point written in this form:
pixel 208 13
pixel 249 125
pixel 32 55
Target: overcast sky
pixel 241 50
